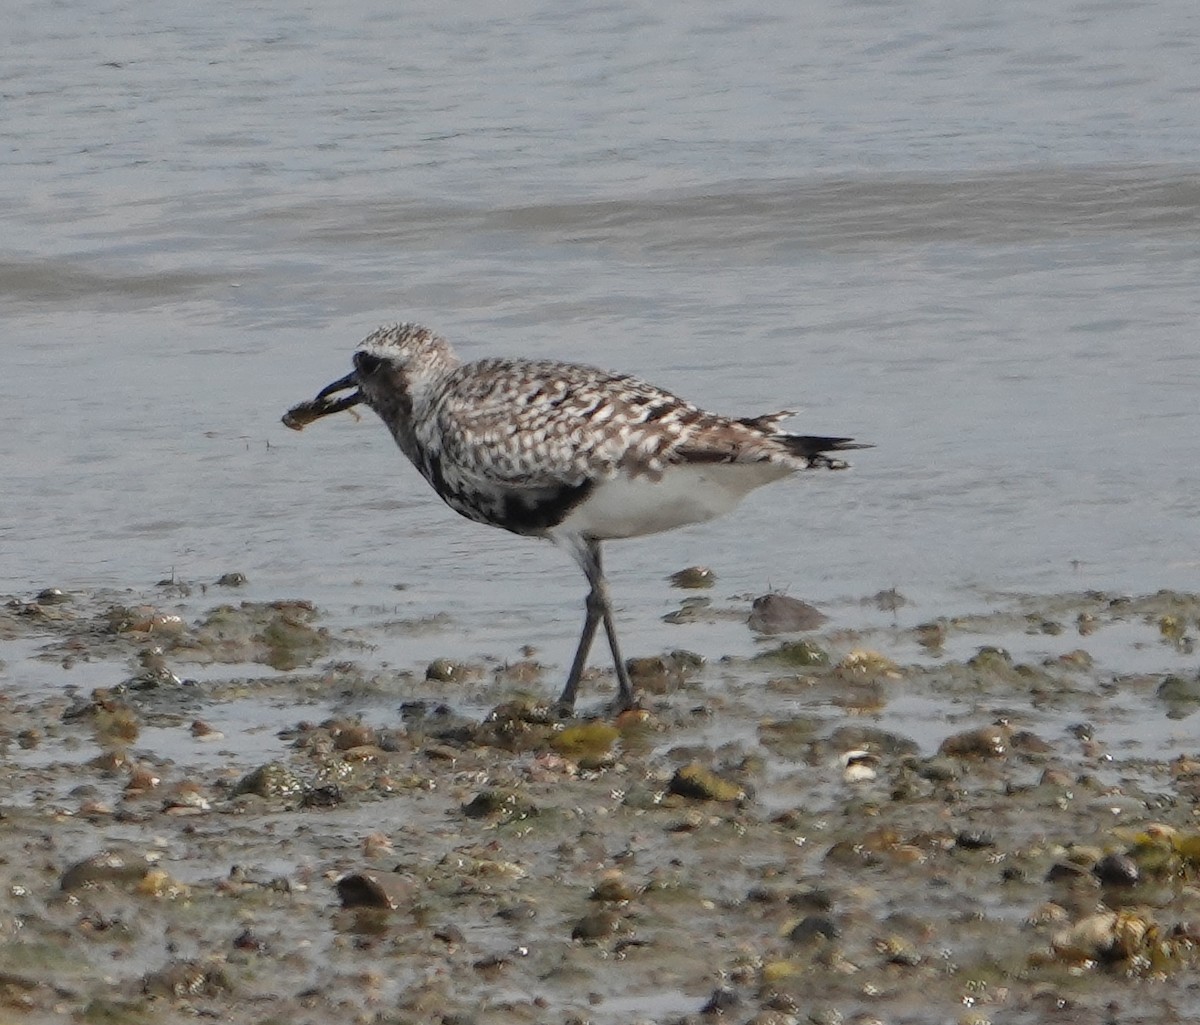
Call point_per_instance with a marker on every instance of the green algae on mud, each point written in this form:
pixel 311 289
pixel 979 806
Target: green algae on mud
pixel 1005 825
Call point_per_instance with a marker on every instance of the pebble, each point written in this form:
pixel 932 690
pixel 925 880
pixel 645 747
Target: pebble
pixel 974 839
pixel 125 870
pixel 370 889
pixel 985 742
pixel 699 783
pixel 693 577
pixel 797 654
pixel 614 888
pixel 272 780
pixel 521 911
pixel 499 802
pixel 596 925
pixel 814 927
pixel 777 613
pixel 930 635
pixel 1116 870
pixel 446 670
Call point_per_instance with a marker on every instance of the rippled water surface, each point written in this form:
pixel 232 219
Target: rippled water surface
pixel 967 233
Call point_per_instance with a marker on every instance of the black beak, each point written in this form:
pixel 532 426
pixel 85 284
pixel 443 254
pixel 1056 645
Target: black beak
pixel 349 381
pixel 300 416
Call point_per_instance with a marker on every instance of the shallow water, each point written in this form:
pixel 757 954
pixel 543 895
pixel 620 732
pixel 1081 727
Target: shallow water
pixel 961 856
pixel 967 234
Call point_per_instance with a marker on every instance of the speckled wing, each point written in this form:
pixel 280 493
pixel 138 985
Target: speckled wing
pixel 521 444
pixel 505 422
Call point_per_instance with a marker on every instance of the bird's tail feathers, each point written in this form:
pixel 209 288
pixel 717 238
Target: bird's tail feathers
pixel 814 448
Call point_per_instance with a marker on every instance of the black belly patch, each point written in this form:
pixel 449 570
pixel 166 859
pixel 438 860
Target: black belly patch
pixel 530 512
pixel 523 511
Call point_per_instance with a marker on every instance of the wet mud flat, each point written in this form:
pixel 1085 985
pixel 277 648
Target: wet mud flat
pixel 233 811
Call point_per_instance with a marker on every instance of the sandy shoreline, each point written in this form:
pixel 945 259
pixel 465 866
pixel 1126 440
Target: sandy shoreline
pixel 986 818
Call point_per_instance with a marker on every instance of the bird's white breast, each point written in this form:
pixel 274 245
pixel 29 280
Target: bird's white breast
pixel 628 506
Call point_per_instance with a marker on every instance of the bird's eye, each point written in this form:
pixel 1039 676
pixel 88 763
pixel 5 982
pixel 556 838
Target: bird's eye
pixel 367 364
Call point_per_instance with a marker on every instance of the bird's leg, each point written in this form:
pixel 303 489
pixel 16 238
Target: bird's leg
pixel 627 697
pixel 587 553
pixel 594 612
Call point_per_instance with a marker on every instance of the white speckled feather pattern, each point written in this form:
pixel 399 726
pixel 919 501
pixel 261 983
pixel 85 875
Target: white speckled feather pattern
pixel 512 442
pixel 562 451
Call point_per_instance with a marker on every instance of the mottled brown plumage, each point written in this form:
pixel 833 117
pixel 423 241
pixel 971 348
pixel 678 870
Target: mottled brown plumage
pixel 568 452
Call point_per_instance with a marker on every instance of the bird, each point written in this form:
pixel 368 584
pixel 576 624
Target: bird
pixel 563 451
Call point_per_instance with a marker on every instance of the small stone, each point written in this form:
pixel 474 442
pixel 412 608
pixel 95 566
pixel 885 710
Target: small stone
pixel 653 673
pixel 974 839
pixel 939 770
pixel 693 577
pixel 698 783
pixel 614 889
pixel 898 951
pixel 445 670
pixel 377 845
pixel 186 979
pixel 108 867
pixel 157 883
pixel 985 742
pixel 1075 659
pixel 930 635
pixel 368 889
pixel 814 928
pixel 596 925
pixel 991 659
pixel 247 940
pixel 1179 690
pixel 142 777
pixel 859 766
pixel 203 731
pixel 449 934
pixel 329 795
pixel 591 738
pixel 815 898
pixel 492 964
pixel 347 735
pixel 1116 870
pixel 1105 936
pixel 1056 778
pixel 799 654
pixel 521 911
pixel 499 802
pixel 1067 872
pixel 691 610
pixel 778 613
pixel 186 798
pixel 1029 743
pixel 1082 731
pixel 273 780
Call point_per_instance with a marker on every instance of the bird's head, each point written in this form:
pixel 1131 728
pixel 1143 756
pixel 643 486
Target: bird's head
pixel 390 365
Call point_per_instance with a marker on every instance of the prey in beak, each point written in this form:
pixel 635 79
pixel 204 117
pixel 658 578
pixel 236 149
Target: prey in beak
pixel 327 401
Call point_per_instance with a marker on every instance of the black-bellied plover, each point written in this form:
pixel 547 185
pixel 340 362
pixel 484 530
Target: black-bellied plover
pixel 562 451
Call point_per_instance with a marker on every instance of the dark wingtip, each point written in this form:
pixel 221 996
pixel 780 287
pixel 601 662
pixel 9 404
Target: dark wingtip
pixel 810 446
